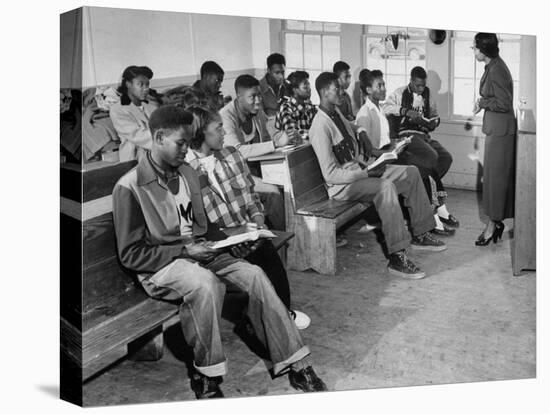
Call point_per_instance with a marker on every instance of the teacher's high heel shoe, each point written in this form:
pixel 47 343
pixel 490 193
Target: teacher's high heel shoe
pixel 499 229
pixel 497 234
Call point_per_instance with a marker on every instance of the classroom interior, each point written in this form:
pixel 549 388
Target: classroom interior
pixel 472 319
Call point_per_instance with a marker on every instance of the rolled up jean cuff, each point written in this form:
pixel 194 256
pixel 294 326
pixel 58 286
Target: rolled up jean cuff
pixel 297 356
pixel 216 370
pixel 401 245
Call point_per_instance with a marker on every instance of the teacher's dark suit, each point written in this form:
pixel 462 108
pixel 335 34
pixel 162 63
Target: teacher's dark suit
pixel 499 125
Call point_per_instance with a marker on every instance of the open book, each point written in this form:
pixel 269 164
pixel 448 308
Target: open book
pixel 428 120
pixel 243 237
pixel 391 156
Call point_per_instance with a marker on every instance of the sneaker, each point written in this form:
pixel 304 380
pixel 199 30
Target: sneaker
pixel 301 320
pixel 306 380
pixel 206 387
pixel 341 241
pixel 427 242
pixel 401 266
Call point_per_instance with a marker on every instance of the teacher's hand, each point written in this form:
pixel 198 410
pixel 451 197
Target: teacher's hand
pixel 477 108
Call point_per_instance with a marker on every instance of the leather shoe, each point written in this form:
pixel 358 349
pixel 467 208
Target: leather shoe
pixel 451 221
pixel 446 231
pixel 206 387
pixel 306 380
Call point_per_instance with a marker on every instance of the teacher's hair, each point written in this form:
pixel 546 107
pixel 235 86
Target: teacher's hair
pixel 487 43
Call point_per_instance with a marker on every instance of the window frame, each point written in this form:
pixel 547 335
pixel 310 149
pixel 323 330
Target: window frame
pixel 364 44
pixel 304 32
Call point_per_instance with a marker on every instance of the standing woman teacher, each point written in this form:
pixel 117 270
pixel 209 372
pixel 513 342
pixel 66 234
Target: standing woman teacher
pixel 499 126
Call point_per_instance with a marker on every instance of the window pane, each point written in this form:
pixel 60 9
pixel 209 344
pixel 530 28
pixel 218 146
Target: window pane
pixel 415 32
pixel 463 100
pixel 464 35
pixel 317 26
pixel 503 36
pixel 375 50
pixel 312 76
pixel 295 25
pixel 416 53
pixel 377 29
pixel 509 51
pixel 396 65
pixel 395 81
pixel 331 51
pixel 413 63
pixel 397 29
pixel 312 51
pixel 479 69
pixel 294 50
pixel 463 59
pixel 476 88
pixel 331 27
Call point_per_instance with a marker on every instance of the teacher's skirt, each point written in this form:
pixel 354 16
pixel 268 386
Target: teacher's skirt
pixel 499 176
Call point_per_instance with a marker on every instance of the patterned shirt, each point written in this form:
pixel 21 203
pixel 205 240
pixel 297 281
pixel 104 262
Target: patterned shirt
pixel 344 151
pixel 239 203
pixel 293 114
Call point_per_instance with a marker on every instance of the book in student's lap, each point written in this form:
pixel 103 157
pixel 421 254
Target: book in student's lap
pixel 391 156
pixel 243 238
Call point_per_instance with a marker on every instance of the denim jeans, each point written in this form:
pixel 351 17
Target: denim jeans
pixel 268 259
pixel 384 192
pixel 431 159
pixel 202 289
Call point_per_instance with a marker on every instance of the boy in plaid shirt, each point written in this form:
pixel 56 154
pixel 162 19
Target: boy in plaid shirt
pixel 230 200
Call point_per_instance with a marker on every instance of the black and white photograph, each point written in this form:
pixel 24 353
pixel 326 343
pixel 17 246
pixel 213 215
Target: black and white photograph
pixel 323 206
pixel 260 203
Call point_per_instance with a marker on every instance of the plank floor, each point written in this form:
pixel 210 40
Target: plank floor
pixel 469 320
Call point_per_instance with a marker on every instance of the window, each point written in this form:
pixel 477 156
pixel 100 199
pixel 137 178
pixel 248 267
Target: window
pixel 311 46
pixel 395 51
pixel 467 71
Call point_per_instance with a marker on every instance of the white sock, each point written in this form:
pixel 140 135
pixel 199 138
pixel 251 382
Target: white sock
pixel 438 223
pixel 442 211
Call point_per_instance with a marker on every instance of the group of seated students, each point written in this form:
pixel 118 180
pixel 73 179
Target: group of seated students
pixel 193 184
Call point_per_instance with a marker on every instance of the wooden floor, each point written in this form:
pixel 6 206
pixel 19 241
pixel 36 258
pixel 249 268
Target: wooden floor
pixel 469 320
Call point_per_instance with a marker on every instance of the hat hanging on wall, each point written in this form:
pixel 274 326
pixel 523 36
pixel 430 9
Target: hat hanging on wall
pixel 438 36
pixel 394 38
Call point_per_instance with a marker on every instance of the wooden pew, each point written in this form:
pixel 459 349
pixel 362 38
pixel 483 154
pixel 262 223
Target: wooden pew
pixel 105 313
pixel 312 216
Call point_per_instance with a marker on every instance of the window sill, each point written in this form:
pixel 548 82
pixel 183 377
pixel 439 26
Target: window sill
pixel 454 121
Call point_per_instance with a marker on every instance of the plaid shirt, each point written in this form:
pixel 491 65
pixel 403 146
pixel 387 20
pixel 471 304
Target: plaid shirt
pixel 236 182
pixel 293 114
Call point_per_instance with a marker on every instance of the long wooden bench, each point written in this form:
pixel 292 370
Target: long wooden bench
pixel 105 313
pixel 314 218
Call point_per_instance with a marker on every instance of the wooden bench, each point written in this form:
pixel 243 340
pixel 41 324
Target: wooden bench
pixel 105 313
pixel 313 217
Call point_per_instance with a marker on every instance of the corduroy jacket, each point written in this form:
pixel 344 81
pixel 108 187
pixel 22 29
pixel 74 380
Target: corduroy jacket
pixel 147 223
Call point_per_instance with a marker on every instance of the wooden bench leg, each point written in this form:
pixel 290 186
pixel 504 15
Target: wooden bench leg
pixel 149 347
pixel 314 244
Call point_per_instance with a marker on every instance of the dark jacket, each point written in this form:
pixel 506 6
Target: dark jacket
pixel 497 93
pixel 147 224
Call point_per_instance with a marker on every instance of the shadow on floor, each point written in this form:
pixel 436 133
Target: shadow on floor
pixel 52 390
